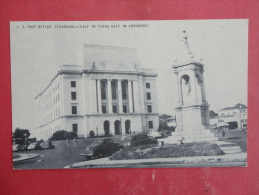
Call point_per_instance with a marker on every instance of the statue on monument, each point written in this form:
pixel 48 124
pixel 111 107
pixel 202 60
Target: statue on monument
pixel 186 43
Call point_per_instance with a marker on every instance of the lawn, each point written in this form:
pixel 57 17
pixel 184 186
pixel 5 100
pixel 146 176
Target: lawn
pixel 168 151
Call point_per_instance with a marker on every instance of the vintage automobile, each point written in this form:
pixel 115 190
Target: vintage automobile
pixel 154 134
pixel 139 139
pixel 47 145
pixel 16 147
pixel 101 147
pixel 222 125
pixel 34 146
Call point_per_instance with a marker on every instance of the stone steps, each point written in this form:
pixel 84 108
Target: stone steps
pixel 229 148
pixel 175 140
pixel 232 151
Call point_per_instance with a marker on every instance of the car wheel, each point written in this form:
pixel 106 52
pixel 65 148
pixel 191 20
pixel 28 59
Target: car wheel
pixel 88 157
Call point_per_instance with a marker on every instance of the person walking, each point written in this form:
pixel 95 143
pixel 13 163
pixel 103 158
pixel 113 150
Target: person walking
pixel 74 141
pixel 67 142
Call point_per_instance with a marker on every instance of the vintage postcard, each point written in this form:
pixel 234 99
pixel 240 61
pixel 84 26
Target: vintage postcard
pixel 129 94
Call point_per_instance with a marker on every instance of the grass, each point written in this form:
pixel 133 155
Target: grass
pixel 168 151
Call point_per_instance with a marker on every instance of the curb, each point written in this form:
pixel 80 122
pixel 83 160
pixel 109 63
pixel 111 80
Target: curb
pixel 25 157
pixel 214 161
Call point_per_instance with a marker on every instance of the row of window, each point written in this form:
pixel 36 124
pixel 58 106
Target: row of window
pixel 75 126
pixel 114 92
pixel 55 88
pixel 114 109
pixel 56 99
pixel 56 112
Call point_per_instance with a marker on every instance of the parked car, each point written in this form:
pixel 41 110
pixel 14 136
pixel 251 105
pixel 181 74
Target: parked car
pixel 154 134
pixel 16 147
pixel 34 146
pixel 101 147
pixel 222 125
pixel 139 139
pixel 47 145
pixel 165 133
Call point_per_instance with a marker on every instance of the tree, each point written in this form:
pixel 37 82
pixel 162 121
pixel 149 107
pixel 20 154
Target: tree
pixel 58 135
pixel 213 114
pixel 20 135
pixel 164 116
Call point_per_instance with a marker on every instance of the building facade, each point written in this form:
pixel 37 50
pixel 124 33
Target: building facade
pixel 235 116
pixel 110 93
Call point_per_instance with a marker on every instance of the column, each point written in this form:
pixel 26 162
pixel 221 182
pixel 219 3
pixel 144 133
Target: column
pixel 99 96
pixel 179 85
pixel 203 94
pixel 120 96
pixel 193 86
pixel 178 82
pixel 109 96
pixel 130 96
pixel 136 96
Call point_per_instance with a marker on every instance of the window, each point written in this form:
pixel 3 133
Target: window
pixel 73 95
pixel 114 109
pixel 75 127
pixel 149 108
pixel 103 90
pixel 73 83
pixel 125 108
pixel 74 109
pixel 148 96
pixel 124 90
pixel 150 124
pixel 104 109
pixel 114 90
pixel 148 85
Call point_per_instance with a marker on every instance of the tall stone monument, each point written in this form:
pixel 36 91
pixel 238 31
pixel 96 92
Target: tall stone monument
pixel 192 111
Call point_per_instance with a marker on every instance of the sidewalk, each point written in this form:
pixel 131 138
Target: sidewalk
pixel 23 157
pixel 195 161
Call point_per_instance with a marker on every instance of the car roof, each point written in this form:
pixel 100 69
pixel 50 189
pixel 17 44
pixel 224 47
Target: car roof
pixel 133 135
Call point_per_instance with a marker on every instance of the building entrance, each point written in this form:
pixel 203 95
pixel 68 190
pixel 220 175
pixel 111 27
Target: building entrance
pixel 127 127
pixel 117 127
pixel 106 127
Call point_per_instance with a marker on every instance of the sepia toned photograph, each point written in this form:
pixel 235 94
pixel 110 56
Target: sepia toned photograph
pixel 129 94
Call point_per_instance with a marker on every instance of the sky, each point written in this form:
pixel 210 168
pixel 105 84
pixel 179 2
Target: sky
pixel 38 51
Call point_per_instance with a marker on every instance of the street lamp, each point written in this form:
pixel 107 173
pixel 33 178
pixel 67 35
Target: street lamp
pixel 25 135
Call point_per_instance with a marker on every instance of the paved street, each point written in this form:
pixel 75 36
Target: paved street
pixel 63 156
pixel 55 158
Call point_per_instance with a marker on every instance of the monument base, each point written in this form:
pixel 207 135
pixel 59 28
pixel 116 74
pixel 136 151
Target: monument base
pixel 192 117
pixel 203 135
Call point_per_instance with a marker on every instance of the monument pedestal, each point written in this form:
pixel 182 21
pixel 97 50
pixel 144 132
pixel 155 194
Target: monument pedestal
pixel 192 117
pixel 203 135
pixel 192 113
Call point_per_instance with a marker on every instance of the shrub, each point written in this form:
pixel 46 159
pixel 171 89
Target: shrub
pixel 58 135
pixel 91 133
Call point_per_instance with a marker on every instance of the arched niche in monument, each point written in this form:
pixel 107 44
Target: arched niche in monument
pixel 185 89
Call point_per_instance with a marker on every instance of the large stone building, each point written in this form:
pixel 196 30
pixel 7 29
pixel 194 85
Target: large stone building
pixel 109 93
